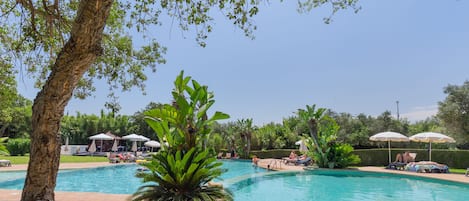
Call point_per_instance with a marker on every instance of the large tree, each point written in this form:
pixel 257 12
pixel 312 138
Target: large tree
pixel 454 111
pixel 8 94
pixel 69 44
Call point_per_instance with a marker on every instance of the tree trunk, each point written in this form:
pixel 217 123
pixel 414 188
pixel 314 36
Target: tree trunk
pixel 78 54
pixel 249 134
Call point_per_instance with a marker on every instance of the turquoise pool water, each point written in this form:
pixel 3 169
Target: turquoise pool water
pixel 251 183
pixel 347 186
pixel 118 179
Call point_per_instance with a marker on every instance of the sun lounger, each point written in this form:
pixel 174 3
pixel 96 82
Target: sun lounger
pixel 288 160
pixel 427 167
pixel 396 166
pixel 227 156
pixel 400 165
pixel 5 163
pixel 304 162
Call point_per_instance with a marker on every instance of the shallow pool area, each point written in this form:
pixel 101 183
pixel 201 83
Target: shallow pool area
pixel 118 179
pixel 348 186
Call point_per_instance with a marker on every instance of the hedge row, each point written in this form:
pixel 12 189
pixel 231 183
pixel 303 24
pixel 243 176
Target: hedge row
pixel 379 157
pixel 18 147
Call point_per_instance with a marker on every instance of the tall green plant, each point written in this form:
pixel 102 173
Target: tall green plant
pixel 3 148
pixel 183 168
pixel 326 151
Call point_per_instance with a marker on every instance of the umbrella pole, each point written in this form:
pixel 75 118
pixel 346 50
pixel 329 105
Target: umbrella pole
pixel 430 154
pixel 389 150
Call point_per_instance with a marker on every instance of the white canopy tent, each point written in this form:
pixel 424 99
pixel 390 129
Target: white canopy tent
pixel 100 136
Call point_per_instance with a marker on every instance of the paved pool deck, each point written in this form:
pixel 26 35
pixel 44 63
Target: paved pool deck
pixel 274 164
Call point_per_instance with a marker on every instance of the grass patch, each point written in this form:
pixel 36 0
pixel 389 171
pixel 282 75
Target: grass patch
pixel 457 171
pixel 63 159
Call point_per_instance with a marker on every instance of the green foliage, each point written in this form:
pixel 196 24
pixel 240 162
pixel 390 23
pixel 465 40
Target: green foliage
pixel 325 149
pixel 63 159
pixel 18 147
pixel 34 32
pixel 20 125
pixel 379 157
pixel 8 93
pixel 182 170
pixel 342 156
pixel 182 176
pixel 79 127
pixel 185 123
pixel 3 148
pixel 454 112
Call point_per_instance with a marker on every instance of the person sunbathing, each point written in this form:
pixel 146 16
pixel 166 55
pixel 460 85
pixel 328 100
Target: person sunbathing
pixel 293 155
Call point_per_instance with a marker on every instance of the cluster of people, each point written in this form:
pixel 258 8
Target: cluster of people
pixel 122 157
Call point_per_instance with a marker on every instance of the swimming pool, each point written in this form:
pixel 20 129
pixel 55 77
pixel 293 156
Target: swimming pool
pixel 346 185
pixel 251 183
pixel 119 179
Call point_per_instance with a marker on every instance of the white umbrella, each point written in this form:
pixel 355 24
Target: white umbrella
pixel 114 146
pixel 152 143
pixel 135 137
pixel 66 144
pixel 92 148
pixel 134 146
pixel 431 137
pixel 144 138
pixel 302 144
pixel 389 137
pixel 101 137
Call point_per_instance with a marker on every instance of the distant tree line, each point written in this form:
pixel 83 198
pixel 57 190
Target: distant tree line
pixel 242 135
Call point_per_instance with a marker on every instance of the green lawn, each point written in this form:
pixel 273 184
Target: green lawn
pixel 457 171
pixel 63 159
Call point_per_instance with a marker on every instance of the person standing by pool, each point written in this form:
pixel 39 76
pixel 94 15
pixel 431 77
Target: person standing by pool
pixel 255 160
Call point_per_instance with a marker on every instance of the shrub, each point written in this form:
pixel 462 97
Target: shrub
pixel 18 147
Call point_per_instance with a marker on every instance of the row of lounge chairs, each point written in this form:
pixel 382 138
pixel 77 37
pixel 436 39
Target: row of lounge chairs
pixel 5 163
pixel 409 164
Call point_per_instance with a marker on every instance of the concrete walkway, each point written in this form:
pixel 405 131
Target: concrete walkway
pixel 274 164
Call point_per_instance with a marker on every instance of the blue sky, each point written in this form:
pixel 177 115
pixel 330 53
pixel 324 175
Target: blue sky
pixel 399 50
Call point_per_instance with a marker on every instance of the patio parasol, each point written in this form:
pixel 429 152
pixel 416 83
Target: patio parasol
pixel 431 137
pixel 302 144
pixel 389 137
pixel 114 146
pixel 134 146
pixel 92 148
pixel 152 144
pixel 134 138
